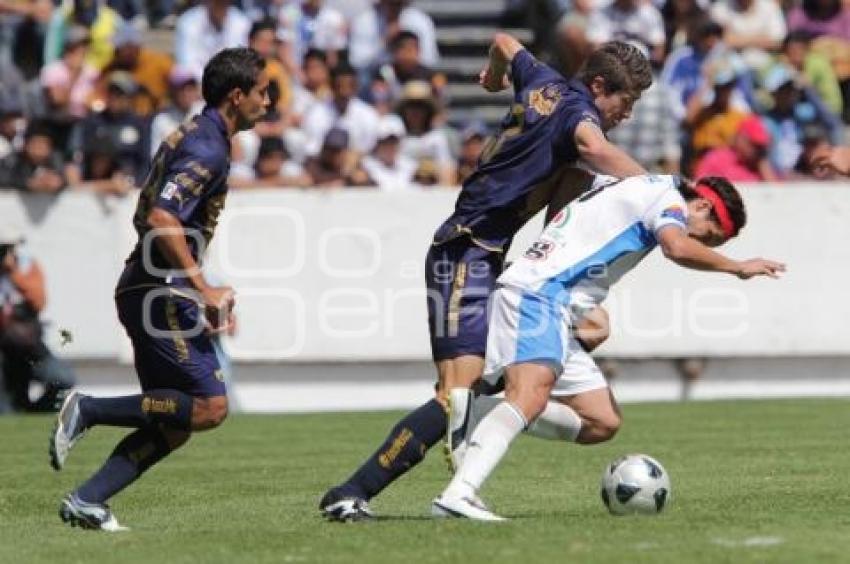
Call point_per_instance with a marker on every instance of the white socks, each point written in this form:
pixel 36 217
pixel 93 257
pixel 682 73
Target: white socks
pixel 487 446
pixel 558 422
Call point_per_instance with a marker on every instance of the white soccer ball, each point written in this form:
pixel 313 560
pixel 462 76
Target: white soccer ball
pixel 635 483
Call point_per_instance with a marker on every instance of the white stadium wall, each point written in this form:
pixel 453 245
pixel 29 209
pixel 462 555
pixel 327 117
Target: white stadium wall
pixel 331 276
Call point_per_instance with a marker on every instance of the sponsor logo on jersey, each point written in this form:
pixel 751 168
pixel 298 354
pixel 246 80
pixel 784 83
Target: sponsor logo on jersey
pixel 675 212
pixel 544 100
pixel 561 218
pixel 170 190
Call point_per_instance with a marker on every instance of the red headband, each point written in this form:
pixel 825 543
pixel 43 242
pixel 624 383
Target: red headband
pixel 720 209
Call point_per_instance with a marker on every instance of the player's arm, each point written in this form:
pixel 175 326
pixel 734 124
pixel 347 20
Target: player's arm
pixel 593 329
pixel 170 239
pixel 833 159
pixel 503 49
pixel 690 253
pixel 602 155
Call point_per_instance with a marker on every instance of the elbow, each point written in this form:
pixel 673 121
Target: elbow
pixel 674 250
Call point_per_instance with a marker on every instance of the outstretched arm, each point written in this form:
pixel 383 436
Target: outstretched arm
pixel 602 155
pixel 690 253
pixel 494 77
pixel 834 159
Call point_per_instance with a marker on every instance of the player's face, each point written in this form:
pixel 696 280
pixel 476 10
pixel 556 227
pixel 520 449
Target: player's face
pixel 702 225
pixel 614 108
pixel 252 106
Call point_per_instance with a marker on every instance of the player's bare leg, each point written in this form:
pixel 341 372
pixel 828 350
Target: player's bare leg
pixel 528 386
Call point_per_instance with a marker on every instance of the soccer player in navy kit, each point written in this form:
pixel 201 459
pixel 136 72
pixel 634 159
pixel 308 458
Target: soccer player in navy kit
pixel 553 122
pixel 167 308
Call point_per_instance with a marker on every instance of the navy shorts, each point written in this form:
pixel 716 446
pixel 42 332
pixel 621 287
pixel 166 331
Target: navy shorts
pixel 177 354
pixel 460 277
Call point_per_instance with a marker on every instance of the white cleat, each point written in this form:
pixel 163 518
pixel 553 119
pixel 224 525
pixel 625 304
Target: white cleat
pixel 68 430
pixel 93 516
pixel 463 508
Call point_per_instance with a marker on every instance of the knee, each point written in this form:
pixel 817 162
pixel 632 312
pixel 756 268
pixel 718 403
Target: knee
pixel 209 413
pixel 176 438
pixel 601 429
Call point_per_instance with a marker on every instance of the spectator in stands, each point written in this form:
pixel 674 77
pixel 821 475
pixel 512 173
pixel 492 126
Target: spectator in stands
pixel 149 68
pixel 745 160
pixel 101 21
pixel 571 35
pixel 472 139
pixel 205 30
pixel 814 142
pixel 111 147
pixel 305 24
pixel 345 111
pixel 69 82
pixel 386 165
pixel 629 20
pixel 374 30
pixel 793 107
pixel 389 79
pixel 12 126
pixel 651 135
pixel 334 166
pixel 680 17
pixel 821 17
pixel 316 88
pixel 713 117
pixel 424 143
pixel 24 358
pixel 262 39
pixel 813 68
pixel 185 102
pixel 30 31
pixel 754 27
pixel 273 168
pixel 37 167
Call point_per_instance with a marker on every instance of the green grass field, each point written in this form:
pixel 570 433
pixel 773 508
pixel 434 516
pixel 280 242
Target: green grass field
pixel 752 482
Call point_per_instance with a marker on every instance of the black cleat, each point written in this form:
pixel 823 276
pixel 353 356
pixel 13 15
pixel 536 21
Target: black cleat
pixel 336 506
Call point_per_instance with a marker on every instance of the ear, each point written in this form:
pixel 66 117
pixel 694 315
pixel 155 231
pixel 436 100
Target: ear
pixel 597 87
pixel 236 96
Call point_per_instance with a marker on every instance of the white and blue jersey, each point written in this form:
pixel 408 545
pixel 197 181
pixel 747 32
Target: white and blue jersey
pixel 569 269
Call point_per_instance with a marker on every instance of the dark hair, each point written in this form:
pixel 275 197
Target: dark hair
pixel 266 24
pixel 727 193
pixel 228 69
pixel 39 128
pixel 313 53
pixel 343 68
pixel 622 66
pixel 401 37
pixel 706 28
pixel 269 145
pixel 814 10
pixel 797 36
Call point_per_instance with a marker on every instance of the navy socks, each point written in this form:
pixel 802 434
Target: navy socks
pixel 170 408
pixel 403 449
pixel 137 452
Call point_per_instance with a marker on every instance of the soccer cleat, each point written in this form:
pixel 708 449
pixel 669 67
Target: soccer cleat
pixel 68 430
pixel 94 516
pixel 336 506
pixel 459 412
pixel 462 507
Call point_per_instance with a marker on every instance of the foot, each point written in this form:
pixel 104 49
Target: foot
pixel 465 507
pixel 94 516
pixel 69 428
pixel 336 506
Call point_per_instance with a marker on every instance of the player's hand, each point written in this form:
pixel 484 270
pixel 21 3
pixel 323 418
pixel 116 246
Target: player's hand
pixel 490 82
pixel 836 159
pixel 759 267
pixel 218 304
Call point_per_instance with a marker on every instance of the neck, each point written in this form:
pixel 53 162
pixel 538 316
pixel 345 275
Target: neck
pixel 228 116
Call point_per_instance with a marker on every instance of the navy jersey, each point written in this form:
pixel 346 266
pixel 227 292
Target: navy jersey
pixel 187 178
pixel 520 167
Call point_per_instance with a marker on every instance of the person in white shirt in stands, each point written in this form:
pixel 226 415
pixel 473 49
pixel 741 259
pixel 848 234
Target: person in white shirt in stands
pixel 390 169
pixel 629 20
pixel 754 27
pixel 344 111
pixel 373 31
pixel 186 102
pixel 424 143
pixel 305 24
pixel 205 30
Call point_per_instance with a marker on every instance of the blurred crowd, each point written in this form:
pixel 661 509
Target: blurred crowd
pixel 746 88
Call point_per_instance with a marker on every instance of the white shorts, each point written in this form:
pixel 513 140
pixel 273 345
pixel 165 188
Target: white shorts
pixel 525 327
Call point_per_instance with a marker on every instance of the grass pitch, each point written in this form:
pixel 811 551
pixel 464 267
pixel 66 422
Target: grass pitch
pixel 759 481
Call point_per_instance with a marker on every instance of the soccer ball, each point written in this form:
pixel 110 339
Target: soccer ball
pixel 635 483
